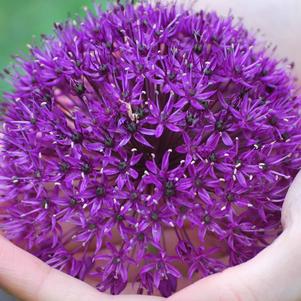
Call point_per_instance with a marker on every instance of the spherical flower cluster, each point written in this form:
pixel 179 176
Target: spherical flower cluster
pixel 147 138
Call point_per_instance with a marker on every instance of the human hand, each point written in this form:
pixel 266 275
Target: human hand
pixel 30 279
pixel 255 279
pixel 274 274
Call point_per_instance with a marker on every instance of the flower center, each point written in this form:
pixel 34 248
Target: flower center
pixel 100 190
pixel 155 216
pixel 108 141
pixel 131 127
pixel 119 218
pixel 73 202
pixel 170 189
pixel 64 167
pixel 86 168
pixel 77 137
pixel 230 197
pixel 122 166
pixel 207 219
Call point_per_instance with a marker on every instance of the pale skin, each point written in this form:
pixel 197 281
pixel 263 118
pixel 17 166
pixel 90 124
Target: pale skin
pixel 274 274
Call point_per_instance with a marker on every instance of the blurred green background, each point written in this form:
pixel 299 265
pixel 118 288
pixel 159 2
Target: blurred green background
pixel 20 20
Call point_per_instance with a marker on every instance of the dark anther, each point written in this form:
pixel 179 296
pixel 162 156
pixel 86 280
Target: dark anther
pixel 140 113
pixel 208 71
pixel 242 93
pixel 58 71
pixel 47 97
pixel 155 216
pixel 85 168
pixel 108 141
pixel 273 121
pixel 264 72
pixel 219 125
pixel 37 174
pixel 100 190
pixel 64 167
pixel 119 218
pixel 103 68
pixel 190 119
pixel 198 183
pixel 122 166
pixel 140 236
pixel 142 49
pixel 212 157
pixel 133 195
pixel 285 136
pixel 109 45
pixel 6 71
pixel 215 38
pixel 131 127
pixel 191 92
pixel 79 89
pixel 204 103
pixel 77 137
pixel 33 121
pixel 169 185
pixel 73 202
pixel 124 94
pixel 207 219
pixel 92 226
pixel 198 48
pixel 171 75
pixel 43 36
pixel 230 197
pixel 169 189
pixel 183 209
pixel 78 63
pixel 61 136
pixel 58 26
pixel 269 89
pixel 116 260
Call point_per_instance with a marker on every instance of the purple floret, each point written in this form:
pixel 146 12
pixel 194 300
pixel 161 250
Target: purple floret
pixel 147 139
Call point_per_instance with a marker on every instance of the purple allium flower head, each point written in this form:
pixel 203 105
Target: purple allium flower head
pixel 147 138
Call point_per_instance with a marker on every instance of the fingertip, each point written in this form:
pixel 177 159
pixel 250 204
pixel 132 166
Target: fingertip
pixel 291 210
pixel 30 279
pixel 274 274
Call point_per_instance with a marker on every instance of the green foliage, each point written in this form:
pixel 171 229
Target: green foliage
pixel 22 22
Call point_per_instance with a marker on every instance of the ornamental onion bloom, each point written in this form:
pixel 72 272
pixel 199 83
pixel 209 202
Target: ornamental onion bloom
pixel 147 138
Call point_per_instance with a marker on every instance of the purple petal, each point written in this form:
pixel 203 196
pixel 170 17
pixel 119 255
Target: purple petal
pixel 159 130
